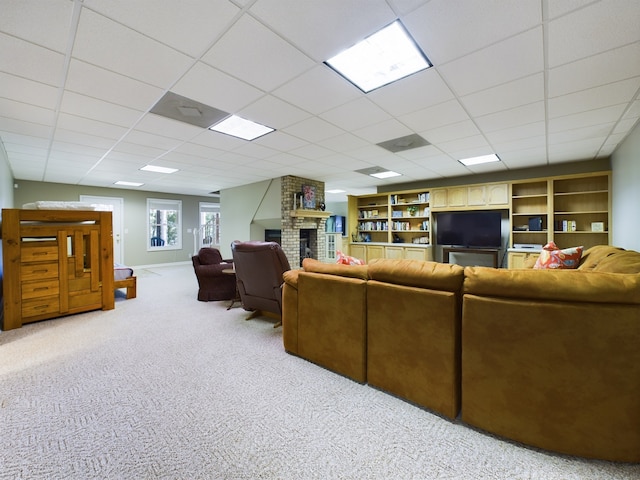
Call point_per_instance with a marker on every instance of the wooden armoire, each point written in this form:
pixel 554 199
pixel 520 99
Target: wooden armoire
pixel 55 262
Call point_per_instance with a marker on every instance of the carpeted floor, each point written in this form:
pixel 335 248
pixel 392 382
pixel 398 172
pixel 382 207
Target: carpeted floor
pixel 166 387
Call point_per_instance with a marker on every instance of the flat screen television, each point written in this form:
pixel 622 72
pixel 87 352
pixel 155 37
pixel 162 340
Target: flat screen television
pixel 469 229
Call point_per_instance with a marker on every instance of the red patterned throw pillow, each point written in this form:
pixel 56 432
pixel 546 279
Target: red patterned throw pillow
pixel 553 257
pixel 347 260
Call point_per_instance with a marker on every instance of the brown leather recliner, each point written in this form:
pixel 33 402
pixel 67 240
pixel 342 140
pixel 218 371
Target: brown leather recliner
pixel 213 284
pixel 259 268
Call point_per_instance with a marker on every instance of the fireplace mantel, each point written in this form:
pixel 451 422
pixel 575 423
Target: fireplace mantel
pixel 302 213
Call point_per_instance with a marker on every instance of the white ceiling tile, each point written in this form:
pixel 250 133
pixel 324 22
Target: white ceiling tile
pixel 625 126
pixel 25 19
pixel 216 89
pixel 87 107
pixel 313 129
pixel 466 147
pixel 526 114
pixel 343 142
pixel 274 112
pixel 86 150
pixel 255 150
pixel 28 129
pixel 167 127
pixel 555 9
pixel 383 131
pixel 445 166
pixel 323 29
pixel 609 67
pixel 585 119
pixel 421 90
pixel 281 141
pixel 420 153
pixel 312 152
pixel 318 90
pixel 447 30
pixel 445 113
pixel 138 56
pixel 530 130
pixel 186 26
pixel 146 138
pixel 141 153
pixel 112 87
pixel 584 133
pixel 487 68
pixel 453 131
pixel 89 126
pixel 573 151
pixel 69 136
pixel 27 91
pixel 253 52
pixel 30 61
pixel 509 145
pixel 503 97
pixel 26 112
pixel 525 157
pixel 356 114
pixel 594 98
pixel 578 36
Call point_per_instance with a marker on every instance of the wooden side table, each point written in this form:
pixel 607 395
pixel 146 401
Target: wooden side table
pixel 232 271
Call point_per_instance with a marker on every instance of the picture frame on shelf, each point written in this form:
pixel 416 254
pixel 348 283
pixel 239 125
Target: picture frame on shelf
pixel 308 196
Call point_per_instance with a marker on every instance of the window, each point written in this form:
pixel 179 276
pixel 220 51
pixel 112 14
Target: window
pixel 209 224
pixel 164 225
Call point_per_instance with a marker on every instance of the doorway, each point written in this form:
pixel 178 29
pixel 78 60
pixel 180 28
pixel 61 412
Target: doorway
pixel 115 205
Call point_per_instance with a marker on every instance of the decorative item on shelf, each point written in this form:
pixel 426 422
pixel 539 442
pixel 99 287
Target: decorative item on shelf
pixel 597 226
pixel 412 209
pixel 322 206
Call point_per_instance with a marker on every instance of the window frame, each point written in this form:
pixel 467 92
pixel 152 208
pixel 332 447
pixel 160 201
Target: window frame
pixel 171 205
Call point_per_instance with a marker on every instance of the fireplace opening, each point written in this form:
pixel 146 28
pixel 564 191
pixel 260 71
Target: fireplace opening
pixel 308 244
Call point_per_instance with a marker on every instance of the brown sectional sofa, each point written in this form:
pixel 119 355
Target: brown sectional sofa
pixel 549 358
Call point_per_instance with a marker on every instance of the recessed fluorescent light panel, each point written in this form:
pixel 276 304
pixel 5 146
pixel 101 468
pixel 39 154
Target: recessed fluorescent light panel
pixel 336 190
pixel 241 128
pixel 128 184
pixel 157 169
pixel 378 172
pixel 479 160
pixel 382 58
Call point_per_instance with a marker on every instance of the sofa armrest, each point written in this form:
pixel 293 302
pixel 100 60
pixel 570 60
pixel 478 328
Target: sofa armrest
pixel 553 285
pixel 290 278
pixel 212 270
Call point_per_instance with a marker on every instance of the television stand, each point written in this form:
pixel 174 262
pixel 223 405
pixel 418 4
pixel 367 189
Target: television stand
pixel 488 251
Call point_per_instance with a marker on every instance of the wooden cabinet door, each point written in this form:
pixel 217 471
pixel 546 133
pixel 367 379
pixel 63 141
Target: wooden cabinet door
pixel 498 194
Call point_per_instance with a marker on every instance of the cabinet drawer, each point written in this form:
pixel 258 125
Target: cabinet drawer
pixel 38 253
pixel 37 271
pixel 40 306
pixel 46 288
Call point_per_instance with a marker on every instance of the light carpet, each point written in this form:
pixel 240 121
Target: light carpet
pixel 166 387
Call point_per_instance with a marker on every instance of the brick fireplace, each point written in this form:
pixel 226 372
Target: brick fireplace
pixel 305 231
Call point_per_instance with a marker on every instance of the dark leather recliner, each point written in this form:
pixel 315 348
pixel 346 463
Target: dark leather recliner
pixel 259 268
pixel 213 284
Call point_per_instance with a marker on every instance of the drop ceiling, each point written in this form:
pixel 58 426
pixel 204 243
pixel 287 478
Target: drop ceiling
pixel 538 82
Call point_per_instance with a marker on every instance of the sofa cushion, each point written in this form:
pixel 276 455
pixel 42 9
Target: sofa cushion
pixel 417 273
pixel 553 257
